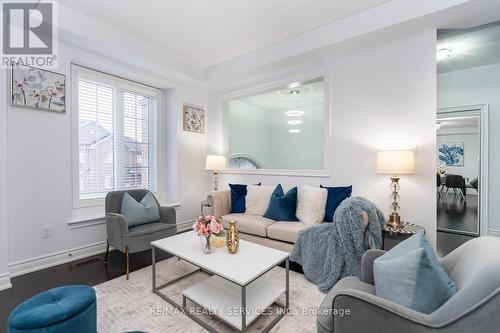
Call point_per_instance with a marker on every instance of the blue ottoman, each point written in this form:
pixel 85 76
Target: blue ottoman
pixel 62 310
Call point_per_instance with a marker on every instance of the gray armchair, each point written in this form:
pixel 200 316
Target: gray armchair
pixel 137 238
pixel 475 269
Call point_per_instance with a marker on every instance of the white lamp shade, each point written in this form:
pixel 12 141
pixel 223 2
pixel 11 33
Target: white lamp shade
pixel 215 162
pixel 396 162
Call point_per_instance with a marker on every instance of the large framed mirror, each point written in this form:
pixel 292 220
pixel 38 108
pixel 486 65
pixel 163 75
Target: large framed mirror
pixel 278 130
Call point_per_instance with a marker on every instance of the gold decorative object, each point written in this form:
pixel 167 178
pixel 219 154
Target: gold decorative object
pixel 394 218
pixel 217 241
pixel 232 238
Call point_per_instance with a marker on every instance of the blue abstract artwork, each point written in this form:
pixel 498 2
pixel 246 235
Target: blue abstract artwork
pixel 452 154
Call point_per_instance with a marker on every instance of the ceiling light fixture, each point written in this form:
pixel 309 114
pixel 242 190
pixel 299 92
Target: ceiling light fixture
pixel 294 122
pixel 294 113
pixel 442 54
pixel 295 90
pixel 294 131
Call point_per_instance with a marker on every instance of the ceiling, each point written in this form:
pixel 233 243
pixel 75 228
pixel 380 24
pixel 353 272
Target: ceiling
pixel 459 122
pixel 473 47
pixel 284 99
pixel 205 33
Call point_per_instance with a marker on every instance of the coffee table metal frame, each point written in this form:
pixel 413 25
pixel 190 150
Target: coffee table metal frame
pixel 284 307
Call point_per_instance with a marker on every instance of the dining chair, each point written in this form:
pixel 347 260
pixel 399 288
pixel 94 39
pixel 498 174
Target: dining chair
pixel 455 182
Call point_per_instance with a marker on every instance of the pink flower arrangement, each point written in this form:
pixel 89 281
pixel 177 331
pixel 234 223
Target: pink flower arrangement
pixel 207 225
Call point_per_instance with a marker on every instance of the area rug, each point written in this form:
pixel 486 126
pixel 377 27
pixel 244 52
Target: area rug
pixel 131 306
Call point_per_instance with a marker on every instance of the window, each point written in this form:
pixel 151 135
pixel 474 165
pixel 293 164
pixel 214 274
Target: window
pixel 117 134
pixel 244 162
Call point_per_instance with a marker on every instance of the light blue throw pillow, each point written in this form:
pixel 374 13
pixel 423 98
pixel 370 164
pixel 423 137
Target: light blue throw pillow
pixel 142 212
pixel 411 275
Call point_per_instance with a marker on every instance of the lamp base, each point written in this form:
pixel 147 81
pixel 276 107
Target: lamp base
pixel 215 179
pixel 394 221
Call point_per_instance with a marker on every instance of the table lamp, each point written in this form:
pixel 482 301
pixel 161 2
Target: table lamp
pixel 215 163
pixel 395 163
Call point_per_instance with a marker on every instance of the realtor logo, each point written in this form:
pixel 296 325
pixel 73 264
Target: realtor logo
pixel 29 34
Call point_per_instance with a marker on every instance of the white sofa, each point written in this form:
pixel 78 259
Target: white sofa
pixel 258 229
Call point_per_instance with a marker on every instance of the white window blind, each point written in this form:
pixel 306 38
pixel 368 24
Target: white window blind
pixel 117 134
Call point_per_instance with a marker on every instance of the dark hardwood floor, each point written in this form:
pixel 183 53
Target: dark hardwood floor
pixel 457 221
pixel 447 242
pixel 90 271
pixel 457 214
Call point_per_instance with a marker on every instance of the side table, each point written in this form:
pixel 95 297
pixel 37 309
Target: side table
pixel 393 236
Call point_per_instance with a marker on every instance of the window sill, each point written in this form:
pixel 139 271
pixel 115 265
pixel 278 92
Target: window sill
pixel 89 221
pixel 82 203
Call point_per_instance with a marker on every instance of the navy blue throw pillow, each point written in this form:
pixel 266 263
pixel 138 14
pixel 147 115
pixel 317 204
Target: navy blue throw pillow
pixel 335 196
pixel 282 206
pixel 238 194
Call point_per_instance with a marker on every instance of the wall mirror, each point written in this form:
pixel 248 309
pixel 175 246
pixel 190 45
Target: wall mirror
pixel 282 128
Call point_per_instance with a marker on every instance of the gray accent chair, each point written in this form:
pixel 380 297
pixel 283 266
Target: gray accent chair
pixel 137 238
pixel 475 269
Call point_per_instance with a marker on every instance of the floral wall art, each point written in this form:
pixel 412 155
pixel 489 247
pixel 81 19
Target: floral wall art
pixel 38 89
pixel 193 118
pixel 452 154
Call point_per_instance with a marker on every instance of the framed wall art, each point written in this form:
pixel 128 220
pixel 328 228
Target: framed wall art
pixel 451 154
pixel 37 89
pixel 193 118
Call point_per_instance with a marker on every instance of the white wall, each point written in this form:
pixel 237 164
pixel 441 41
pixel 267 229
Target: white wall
pixel 480 85
pixel 39 166
pixel 4 223
pixel 381 97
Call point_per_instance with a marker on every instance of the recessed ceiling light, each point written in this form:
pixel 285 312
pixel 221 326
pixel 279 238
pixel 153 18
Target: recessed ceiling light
pixel 294 131
pixel 294 122
pixel 294 113
pixel 442 54
pixel 296 90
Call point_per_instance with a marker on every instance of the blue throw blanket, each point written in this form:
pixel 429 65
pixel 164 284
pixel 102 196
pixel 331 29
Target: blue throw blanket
pixel 331 251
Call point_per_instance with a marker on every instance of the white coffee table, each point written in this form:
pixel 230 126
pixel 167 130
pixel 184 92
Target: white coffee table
pixel 237 280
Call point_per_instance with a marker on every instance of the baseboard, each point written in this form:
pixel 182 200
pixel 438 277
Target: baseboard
pixel 54 259
pixel 58 258
pixel 494 232
pixel 186 225
pixel 5 281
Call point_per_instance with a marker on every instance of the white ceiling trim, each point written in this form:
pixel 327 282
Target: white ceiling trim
pixel 382 16
pixel 85 32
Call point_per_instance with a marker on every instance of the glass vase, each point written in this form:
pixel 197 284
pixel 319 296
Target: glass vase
pixel 205 243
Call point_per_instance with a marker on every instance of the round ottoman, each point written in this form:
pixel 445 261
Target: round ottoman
pixel 62 310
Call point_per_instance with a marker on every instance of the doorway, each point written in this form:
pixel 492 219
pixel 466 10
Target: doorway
pixel 461 179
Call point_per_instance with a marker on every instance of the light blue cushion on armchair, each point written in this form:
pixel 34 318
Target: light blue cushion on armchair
pixel 410 275
pixel 141 212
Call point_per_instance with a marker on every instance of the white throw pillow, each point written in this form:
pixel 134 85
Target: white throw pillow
pixel 311 204
pixel 257 199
